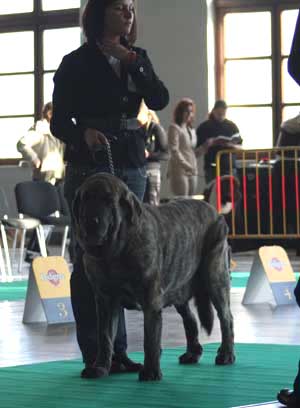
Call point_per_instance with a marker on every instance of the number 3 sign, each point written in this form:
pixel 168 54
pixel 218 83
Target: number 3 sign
pixel 48 293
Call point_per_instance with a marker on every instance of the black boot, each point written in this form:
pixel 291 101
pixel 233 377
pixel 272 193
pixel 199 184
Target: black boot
pixel 289 398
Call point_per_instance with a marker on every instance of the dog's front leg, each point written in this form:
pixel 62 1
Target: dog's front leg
pixel 108 310
pixel 107 322
pixel 152 343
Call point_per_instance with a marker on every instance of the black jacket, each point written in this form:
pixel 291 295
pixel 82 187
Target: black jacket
pixel 212 128
pixel 86 86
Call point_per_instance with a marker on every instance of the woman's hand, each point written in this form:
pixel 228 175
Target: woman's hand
pixel 94 138
pixel 116 50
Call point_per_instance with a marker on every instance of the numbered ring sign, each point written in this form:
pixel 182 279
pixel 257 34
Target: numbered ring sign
pixel 49 284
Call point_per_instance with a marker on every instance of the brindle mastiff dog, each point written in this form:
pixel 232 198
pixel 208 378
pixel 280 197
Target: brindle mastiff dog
pixel 152 257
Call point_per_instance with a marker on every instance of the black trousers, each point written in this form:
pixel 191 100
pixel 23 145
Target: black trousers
pixel 82 296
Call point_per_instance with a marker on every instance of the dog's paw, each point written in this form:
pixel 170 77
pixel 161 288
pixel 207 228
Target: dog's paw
pixel 192 356
pixel 150 375
pixel 225 358
pixel 189 358
pixel 94 372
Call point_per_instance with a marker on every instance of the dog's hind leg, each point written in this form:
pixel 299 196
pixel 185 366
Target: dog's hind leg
pixel 194 349
pixel 215 276
pixel 220 297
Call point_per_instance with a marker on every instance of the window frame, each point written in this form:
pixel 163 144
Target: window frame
pixel 36 21
pixel 222 7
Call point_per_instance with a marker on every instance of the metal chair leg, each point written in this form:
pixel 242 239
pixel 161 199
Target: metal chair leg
pixel 6 252
pixel 2 266
pixel 14 247
pixel 64 241
pixel 41 239
pixel 22 246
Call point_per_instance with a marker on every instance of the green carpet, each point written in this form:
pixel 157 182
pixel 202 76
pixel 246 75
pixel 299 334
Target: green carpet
pixel 260 371
pixel 13 290
pixel 17 290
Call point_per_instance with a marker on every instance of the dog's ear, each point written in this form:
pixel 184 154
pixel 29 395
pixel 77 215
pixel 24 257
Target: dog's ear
pixel 133 206
pixel 76 206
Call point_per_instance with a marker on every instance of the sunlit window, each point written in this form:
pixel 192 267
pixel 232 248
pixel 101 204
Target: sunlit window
pixel 60 4
pixel 57 43
pixel 290 112
pixel 247 35
pixel 248 82
pixel 255 125
pixel 255 81
pixel 288 23
pixel 18 49
pixel 15 6
pixel 44 31
pixel 290 89
pixel 17 95
pixel 48 86
pixel 12 129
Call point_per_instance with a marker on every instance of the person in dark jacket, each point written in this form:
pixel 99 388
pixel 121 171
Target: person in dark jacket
pixel 98 89
pixel 156 152
pixel 291 398
pixel 215 134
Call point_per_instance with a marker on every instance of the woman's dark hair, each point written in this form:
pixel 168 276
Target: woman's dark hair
pixel 46 108
pixel 93 21
pixel 181 108
pixel 220 104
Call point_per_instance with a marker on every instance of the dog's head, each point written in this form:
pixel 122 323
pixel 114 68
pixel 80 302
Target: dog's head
pixel 103 206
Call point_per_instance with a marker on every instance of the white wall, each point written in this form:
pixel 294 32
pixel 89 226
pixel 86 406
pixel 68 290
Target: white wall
pixel 175 34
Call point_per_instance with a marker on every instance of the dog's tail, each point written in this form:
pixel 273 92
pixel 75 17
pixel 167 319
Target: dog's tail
pixel 212 250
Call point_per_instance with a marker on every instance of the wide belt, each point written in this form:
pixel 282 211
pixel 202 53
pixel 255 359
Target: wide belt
pixel 111 124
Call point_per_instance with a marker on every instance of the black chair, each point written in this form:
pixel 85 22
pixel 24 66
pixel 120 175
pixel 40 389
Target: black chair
pixel 18 224
pixel 41 200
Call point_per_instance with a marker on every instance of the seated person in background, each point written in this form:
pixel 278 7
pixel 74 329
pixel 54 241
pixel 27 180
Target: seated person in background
pixel 182 166
pixel 290 133
pixel 215 134
pixel 156 151
pixel 43 150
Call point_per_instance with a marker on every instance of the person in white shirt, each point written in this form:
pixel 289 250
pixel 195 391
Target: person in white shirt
pixel 43 150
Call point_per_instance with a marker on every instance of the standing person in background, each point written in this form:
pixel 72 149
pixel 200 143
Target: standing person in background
pixel 156 151
pixel 291 398
pixel 43 150
pixel 98 90
pixel 182 169
pixel 215 134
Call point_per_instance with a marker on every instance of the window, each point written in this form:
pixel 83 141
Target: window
pixel 290 92
pixel 60 4
pixel 33 42
pixel 65 40
pixel 254 42
pixel 15 6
